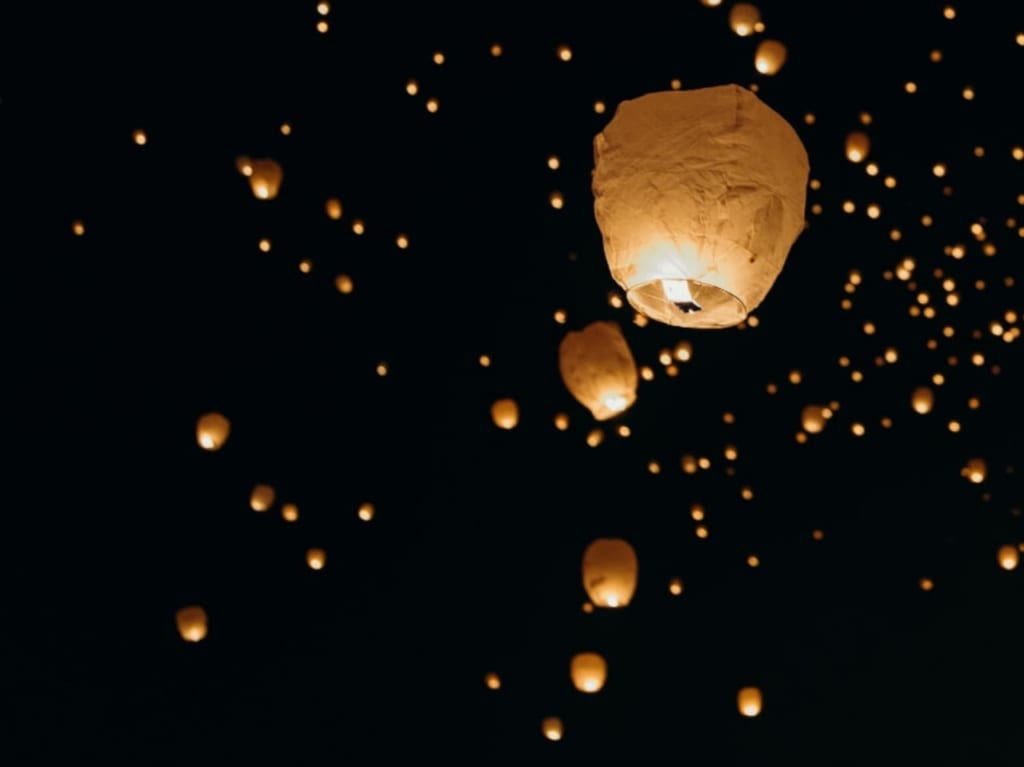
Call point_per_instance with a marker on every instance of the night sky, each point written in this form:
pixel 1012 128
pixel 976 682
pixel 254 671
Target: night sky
pixel 852 575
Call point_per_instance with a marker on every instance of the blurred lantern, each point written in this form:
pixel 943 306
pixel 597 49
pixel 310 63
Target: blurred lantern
pixel 744 19
pixel 333 207
pixel 261 498
pixel 598 369
pixel 1008 557
pixel 212 431
pixel 609 572
pixel 264 176
pixel 290 512
pixel 492 680
pixel 699 195
pixel 770 56
pixel 749 701
pixel 552 728
pixel 857 146
pixel 975 470
pixel 922 400
pixel 316 559
pixel 505 413
pixel 588 671
pixel 191 623
pixel 813 419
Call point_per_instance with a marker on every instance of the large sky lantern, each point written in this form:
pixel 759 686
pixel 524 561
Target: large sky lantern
pixel 598 369
pixel 699 196
pixel 212 430
pixel 588 671
pixel 610 572
pixel 192 623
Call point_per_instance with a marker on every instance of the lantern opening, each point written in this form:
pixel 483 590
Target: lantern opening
pixel 615 402
pixel 702 304
pixel 678 292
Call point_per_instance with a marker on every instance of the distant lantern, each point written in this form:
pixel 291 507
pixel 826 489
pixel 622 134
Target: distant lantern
pixel 552 728
pixel 975 470
pixel 192 623
pixel 1008 557
pixel 316 559
pixel 857 146
pixel 212 431
pixel 922 400
pixel 261 498
pixel 588 671
pixel 813 419
pixel 749 701
pixel 699 196
pixel 265 176
pixel 492 680
pixel 333 208
pixel 769 57
pixel 609 572
pixel 505 413
pixel 744 19
pixel 598 369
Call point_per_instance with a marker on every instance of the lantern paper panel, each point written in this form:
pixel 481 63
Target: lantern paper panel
pixel 610 572
pixel 699 196
pixel 598 369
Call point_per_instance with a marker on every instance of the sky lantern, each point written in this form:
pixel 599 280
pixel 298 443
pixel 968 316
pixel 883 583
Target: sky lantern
pixel 265 176
pixel 598 369
pixel 1008 557
pixel 975 470
pixel 261 498
pixel 769 57
pixel 610 572
pixel 922 400
pixel 749 701
pixel 744 19
pixel 813 418
pixel 699 196
pixel 588 671
pixel 505 413
pixel 552 728
pixel 212 431
pixel 316 559
pixel 191 623
pixel 857 146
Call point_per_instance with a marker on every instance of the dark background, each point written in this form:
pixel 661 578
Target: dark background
pixel 165 309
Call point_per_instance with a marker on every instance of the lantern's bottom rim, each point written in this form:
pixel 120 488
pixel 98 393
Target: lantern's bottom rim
pixel 718 307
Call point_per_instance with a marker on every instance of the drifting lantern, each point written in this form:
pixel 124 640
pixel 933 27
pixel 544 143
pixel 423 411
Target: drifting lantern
pixel 744 19
pixel 857 146
pixel 316 559
pixel 975 470
pixel 552 728
pixel 261 498
pixel 588 671
pixel 1008 557
pixel 192 623
pixel 212 431
pixel 699 195
pixel 265 176
pixel 492 680
pixel 813 419
pixel 749 701
pixel 505 413
pixel 598 369
pixel 609 572
pixel 769 57
pixel 922 400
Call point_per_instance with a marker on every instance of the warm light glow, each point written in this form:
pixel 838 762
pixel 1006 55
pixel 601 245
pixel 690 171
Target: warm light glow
pixel 975 470
pixel 212 430
pixel 598 369
pixel 265 176
pixel 744 18
pixel 333 208
pixel 1008 557
pixel 769 57
pixel 610 572
pixel 813 418
pixel 192 624
pixel 290 512
pixel 675 587
pixel 557 200
pixel 139 137
pixel 433 105
pixel 857 146
pixel 564 53
pixel 78 227
pixel 561 421
pixel 749 701
pixel 492 681
pixel 344 284
pixel 505 413
pixel 261 498
pixel 366 511
pixel 316 559
pixel 552 728
pixel 588 671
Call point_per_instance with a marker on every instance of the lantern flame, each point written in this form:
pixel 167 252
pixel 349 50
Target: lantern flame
pixel 678 292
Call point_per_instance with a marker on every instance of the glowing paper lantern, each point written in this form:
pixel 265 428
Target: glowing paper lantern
pixel 192 623
pixel 261 498
pixel 749 701
pixel 212 431
pixel 265 176
pixel 505 413
pixel 813 419
pixel 922 400
pixel 744 19
pixel 588 671
pixel 492 680
pixel 699 195
pixel 975 470
pixel 609 572
pixel 598 369
pixel 857 146
pixel 1008 557
pixel 769 57
pixel 552 728
pixel 316 559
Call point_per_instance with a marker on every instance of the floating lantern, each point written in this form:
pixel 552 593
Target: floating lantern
pixel 588 671
pixel 505 413
pixel 699 196
pixel 813 419
pixel 610 572
pixel 265 176
pixel 922 400
pixel 261 498
pixel 1008 557
pixel 316 559
pixel 192 623
pixel 857 146
pixel 212 431
pixel 598 369
pixel 975 470
pixel 744 19
pixel 552 728
pixel 769 57
pixel 749 701
pixel 492 680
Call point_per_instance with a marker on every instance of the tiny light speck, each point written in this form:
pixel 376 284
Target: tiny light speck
pixel 305 266
pixel 344 284
pixel 264 245
pixel 432 105
pixel 139 137
pixel 358 227
pixel 412 87
pixel 402 241
pixel 321 27
pixel 382 369
pixel 496 50
pixel 557 200
pixel 78 228
pixel 439 58
pixel 286 129
pixel 564 53
pixel 553 162
pixel 599 107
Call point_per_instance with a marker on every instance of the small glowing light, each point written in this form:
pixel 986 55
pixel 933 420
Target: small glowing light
pixel 730 453
pixel 701 531
pixel 557 200
pixel 809 118
pixel 139 137
pixel 560 316
pixel 746 494
pixel 704 462
pixel 818 535
pixel 553 162
pixel 615 300
pixel 1017 153
pixel 344 284
pixel 264 245
pixel 366 511
pixel 647 373
pixel 874 210
pixel 552 728
pixel 78 227
pixel 496 50
pixel 402 241
pixel 857 429
pixel 484 360
pixel 935 56
pixel 968 93
pixel 926 584
pixel 286 129
pixel 949 12
pixel 382 369
pixel 771 388
pixel 432 105
pixel 358 227
pixel 939 170
pixel 689 464
pixel 891 355
pixel 869 328
pixel 795 377
pixel 333 208
pixel 561 421
pixel 323 8
pixel 1008 557
pixel 492 681
pixel 305 266
pixel 588 608
pixel 753 561
pixel 439 58
pixel 599 107
pixel 954 427
pixel 595 438
pixel 973 403
pixel 290 512
pixel 564 53
pixel 910 87
pixel 697 512
pixel 675 84
pixel 849 207
pixel 321 27
pixel 412 87
pixel 729 418
pixel 316 558
pixel 886 422
pixel 675 587
pixel 623 430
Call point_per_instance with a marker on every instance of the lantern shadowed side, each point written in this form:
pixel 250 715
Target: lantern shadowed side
pixel 699 196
